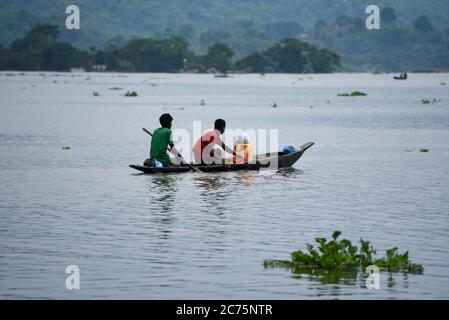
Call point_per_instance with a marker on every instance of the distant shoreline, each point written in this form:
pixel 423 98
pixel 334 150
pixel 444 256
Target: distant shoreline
pixel 229 74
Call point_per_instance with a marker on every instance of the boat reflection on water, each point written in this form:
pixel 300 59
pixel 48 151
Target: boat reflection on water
pixel 213 190
pixel 219 191
pixel 163 190
pixel 245 178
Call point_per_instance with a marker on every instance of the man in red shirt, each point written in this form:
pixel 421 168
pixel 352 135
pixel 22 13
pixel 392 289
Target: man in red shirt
pixel 204 151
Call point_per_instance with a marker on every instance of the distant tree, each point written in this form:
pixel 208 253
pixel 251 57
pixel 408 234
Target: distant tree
pixel 324 61
pixel 295 56
pixel 39 49
pixel 255 62
pixel 155 55
pixel 60 56
pixel 388 15
pixel 289 56
pixel 423 24
pixel 4 58
pixel 117 41
pixel 218 56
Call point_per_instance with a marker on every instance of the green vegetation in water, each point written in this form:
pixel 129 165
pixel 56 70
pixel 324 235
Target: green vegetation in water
pixel 115 88
pixel 203 103
pixel 335 258
pixel 424 150
pixel 353 94
pixel 275 105
pixel 66 148
pixel 131 94
pixel 430 101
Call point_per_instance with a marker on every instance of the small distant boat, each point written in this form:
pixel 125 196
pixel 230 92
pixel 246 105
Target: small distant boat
pixel 403 76
pixel 284 160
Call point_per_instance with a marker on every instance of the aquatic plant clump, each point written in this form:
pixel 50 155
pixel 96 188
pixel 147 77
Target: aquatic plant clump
pixel 430 101
pixel 130 94
pixel 338 255
pixel 353 94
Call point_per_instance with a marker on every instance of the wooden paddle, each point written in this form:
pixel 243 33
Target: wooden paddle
pixel 178 155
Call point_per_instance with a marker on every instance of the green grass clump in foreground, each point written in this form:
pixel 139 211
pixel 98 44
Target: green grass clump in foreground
pixel 353 94
pixel 342 255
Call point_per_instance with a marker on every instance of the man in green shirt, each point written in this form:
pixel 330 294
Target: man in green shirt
pixel 161 141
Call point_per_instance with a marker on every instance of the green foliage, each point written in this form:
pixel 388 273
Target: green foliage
pixel 256 63
pixel 388 15
pixel 153 55
pixel 219 56
pixel 291 56
pixel 353 94
pixel 40 50
pixel 130 94
pixel 430 101
pixel 395 47
pixel 249 26
pixel 341 255
pixel 423 24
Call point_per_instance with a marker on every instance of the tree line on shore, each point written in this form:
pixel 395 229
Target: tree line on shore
pixel 40 50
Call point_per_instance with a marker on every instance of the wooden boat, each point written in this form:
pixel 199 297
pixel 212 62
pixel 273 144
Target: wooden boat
pixel 403 76
pixel 277 160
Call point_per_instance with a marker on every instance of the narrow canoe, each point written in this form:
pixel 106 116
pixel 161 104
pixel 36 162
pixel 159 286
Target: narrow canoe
pixel 276 160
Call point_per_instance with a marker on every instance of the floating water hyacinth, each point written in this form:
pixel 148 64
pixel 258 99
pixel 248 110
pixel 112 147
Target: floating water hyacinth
pixel 342 256
pixel 66 148
pixel 130 94
pixel 430 101
pixel 353 94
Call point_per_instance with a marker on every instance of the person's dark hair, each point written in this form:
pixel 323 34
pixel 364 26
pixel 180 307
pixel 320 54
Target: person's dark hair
pixel 165 120
pixel 220 124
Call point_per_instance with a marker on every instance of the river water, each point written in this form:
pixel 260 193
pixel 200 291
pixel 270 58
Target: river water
pixel 206 236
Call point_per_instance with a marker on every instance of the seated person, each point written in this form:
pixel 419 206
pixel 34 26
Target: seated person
pixel 161 142
pixel 204 151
